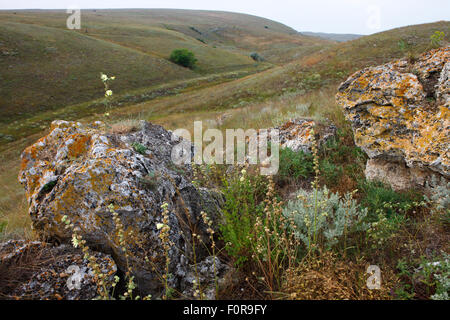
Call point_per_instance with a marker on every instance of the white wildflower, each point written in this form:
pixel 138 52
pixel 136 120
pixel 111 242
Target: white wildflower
pixel 75 242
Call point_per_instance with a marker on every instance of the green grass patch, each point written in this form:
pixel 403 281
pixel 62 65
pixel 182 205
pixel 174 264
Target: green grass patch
pixel 380 198
pixel 294 165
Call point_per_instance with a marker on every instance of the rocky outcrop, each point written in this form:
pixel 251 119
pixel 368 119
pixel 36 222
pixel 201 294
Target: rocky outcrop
pixel 400 117
pixel 210 274
pixel 85 173
pixel 40 271
pixel 297 134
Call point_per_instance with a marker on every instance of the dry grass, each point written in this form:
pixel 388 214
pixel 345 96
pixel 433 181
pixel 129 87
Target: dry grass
pixel 125 126
pixel 13 204
pixel 318 105
pixel 14 213
pixel 18 270
pixel 328 277
pixel 423 236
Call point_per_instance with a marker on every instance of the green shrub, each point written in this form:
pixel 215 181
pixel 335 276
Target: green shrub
pixel 331 172
pixel 424 280
pixel 323 218
pixel 384 229
pixel 437 38
pixel 183 57
pixel 294 165
pixel 243 194
pixel 380 198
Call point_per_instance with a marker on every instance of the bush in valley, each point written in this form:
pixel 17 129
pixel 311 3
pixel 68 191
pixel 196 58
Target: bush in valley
pixel 184 58
pixel 255 56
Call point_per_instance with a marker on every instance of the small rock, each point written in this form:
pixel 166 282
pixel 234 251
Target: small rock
pixel 297 135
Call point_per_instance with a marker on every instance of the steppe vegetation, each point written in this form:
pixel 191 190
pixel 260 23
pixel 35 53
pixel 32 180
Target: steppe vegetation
pixel 316 224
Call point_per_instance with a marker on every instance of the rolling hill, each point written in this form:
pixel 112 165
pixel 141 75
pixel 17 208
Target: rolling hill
pixel 317 74
pixel 46 67
pixel 339 37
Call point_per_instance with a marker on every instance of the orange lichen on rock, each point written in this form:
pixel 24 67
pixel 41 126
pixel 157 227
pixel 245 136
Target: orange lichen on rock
pixel 81 171
pixel 393 117
pixel 79 145
pixel 297 134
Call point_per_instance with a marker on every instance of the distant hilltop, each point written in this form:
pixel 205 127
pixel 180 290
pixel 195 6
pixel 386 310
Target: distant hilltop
pixel 332 36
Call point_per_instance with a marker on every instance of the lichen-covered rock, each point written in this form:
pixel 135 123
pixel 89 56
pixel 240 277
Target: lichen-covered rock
pixel 80 171
pixel 297 134
pixel 40 271
pixel 400 114
pixel 210 274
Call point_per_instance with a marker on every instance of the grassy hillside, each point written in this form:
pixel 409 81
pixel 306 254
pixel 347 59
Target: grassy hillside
pixel 46 67
pixel 226 30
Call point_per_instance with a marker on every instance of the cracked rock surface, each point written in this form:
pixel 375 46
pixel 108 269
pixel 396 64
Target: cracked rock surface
pixel 82 170
pixel 400 117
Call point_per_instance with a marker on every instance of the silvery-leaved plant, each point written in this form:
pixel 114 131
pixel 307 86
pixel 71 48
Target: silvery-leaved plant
pixel 439 193
pixel 320 215
pixel 441 275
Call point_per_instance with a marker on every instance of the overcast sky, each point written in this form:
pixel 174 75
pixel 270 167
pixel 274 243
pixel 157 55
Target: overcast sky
pixel 335 16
